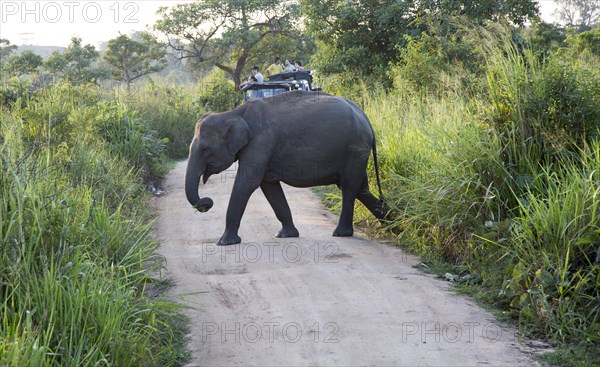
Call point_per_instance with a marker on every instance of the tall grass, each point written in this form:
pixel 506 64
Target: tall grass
pixel 428 147
pixel 171 110
pixel 503 184
pixel 76 251
pixel 552 256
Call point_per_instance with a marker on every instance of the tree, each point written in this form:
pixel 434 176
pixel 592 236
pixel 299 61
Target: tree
pixel 132 59
pixel 75 63
pixel 583 14
pixel 24 63
pixel 5 50
pixel 364 35
pixel 588 41
pixel 226 33
pixel 545 38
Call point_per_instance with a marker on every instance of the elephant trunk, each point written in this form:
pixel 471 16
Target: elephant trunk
pixel 192 181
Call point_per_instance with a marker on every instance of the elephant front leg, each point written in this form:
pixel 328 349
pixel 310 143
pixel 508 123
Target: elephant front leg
pixel 242 189
pixel 276 198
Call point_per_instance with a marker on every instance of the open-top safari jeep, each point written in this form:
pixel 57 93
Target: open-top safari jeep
pixel 279 83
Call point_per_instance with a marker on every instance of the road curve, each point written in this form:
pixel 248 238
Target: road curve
pixel 315 300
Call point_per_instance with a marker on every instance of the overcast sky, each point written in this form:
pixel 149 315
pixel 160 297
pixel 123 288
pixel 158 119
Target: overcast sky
pixel 53 23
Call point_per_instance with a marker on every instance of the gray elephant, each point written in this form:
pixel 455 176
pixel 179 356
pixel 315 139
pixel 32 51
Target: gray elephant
pixel 301 138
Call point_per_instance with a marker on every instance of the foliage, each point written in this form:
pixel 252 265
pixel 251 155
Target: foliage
pixel 14 90
pixel 132 59
pixel 76 248
pixel 171 110
pixel 297 47
pixel 500 180
pixel 62 113
pixel 360 37
pixel 556 293
pixel 25 63
pixel 229 34
pixel 448 56
pixel 550 106
pixel 421 63
pixel 588 41
pixel 545 38
pixel 217 94
pixel 75 64
pixel 129 137
pixel 6 49
pixel 363 36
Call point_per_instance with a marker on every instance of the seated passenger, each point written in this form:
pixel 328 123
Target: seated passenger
pixel 289 68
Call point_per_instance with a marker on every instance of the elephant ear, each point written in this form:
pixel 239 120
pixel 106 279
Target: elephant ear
pixel 238 134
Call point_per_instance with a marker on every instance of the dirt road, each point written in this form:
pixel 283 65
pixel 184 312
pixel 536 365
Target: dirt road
pixel 315 300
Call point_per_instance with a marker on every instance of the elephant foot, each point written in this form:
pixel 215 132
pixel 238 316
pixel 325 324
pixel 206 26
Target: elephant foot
pixel 229 240
pixel 288 232
pixel 343 232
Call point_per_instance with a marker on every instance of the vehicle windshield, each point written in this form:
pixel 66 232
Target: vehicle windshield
pixel 277 84
pixel 262 93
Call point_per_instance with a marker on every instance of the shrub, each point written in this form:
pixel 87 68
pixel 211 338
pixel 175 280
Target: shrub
pixel 171 110
pixel 217 93
pixel 548 107
pixel 130 138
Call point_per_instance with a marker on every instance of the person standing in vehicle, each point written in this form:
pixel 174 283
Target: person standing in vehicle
pixel 298 65
pixel 259 79
pixel 276 67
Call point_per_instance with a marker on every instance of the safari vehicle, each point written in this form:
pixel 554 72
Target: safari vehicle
pixel 279 83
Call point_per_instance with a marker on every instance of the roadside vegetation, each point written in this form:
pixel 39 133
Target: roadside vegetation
pixel 78 269
pixel 488 143
pixel 493 177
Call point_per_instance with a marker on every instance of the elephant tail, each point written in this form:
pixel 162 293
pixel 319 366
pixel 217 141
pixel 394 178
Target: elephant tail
pixel 377 168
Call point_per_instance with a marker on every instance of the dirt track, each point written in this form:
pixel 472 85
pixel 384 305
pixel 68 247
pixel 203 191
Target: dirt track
pixel 315 300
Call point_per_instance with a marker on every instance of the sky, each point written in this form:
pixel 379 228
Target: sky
pixel 53 23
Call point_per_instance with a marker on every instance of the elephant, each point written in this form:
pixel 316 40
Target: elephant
pixel 301 138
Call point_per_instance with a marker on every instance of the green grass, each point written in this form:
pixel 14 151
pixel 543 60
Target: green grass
pixel 171 111
pixel 500 182
pixel 77 255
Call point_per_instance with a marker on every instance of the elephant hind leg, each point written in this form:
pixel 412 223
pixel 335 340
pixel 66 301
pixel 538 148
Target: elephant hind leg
pixel 377 207
pixel 350 189
pixel 276 198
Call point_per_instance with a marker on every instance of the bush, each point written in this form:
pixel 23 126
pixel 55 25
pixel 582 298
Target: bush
pixel 171 110
pixel 128 137
pixel 12 91
pixel 548 107
pixel 217 93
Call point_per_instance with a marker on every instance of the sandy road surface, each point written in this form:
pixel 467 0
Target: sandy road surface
pixel 315 300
